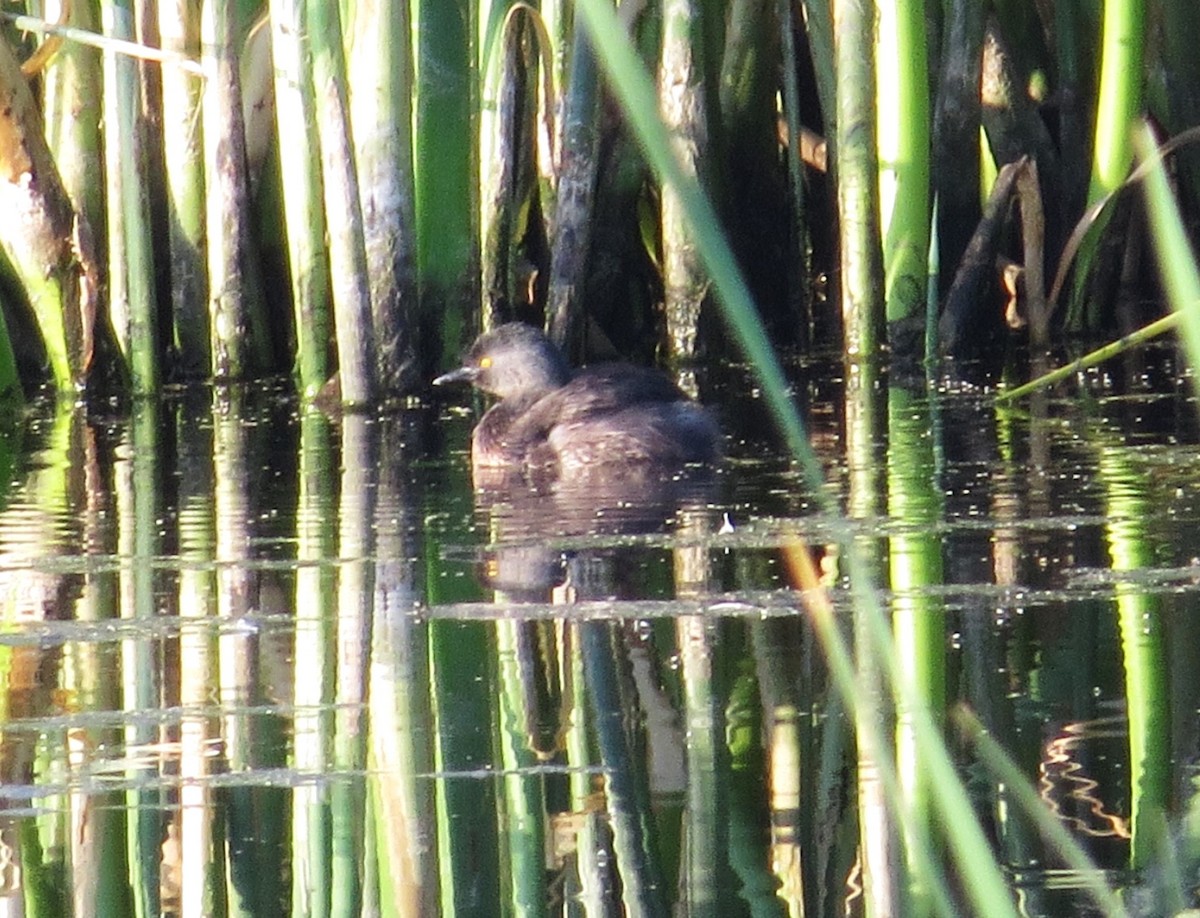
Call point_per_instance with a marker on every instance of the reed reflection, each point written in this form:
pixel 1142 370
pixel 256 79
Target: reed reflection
pixel 579 694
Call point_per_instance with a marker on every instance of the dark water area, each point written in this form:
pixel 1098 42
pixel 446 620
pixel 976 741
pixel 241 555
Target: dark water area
pixel 258 660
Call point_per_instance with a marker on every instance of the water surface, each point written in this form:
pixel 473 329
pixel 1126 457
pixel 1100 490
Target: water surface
pixel 259 660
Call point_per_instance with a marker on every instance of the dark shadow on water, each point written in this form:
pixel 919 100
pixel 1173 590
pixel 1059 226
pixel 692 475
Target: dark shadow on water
pixel 535 532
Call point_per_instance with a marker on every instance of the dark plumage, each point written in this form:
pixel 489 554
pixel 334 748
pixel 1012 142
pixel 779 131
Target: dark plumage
pixel 551 422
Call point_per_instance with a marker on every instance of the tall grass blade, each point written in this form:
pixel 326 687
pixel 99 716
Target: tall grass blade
pixel 844 676
pixel 1176 263
pixel 984 883
pixel 1093 358
pixel 88 38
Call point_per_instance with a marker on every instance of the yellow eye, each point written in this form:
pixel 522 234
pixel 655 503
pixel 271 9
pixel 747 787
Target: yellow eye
pixel 485 362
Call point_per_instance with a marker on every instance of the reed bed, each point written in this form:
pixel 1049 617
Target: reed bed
pixel 329 223
pixel 353 149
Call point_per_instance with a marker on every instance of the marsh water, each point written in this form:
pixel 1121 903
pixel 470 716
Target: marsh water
pixel 260 660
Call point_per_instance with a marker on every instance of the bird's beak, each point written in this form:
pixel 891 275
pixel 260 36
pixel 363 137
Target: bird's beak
pixel 462 374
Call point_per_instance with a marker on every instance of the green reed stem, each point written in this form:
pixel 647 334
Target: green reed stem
pixel 299 159
pixel 446 136
pixel 683 104
pixel 132 303
pixel 343 209
pixel 72 113
pixel 183 162
pixel 234 285
pixel 1120 95
pixel 381 74
pixel 858 181
pixel 197 608
pixel 903 120
pixel 399 715
pixel 1093 358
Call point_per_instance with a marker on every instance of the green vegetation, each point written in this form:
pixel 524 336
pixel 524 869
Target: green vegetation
pixel 657 145
pixel 356 171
